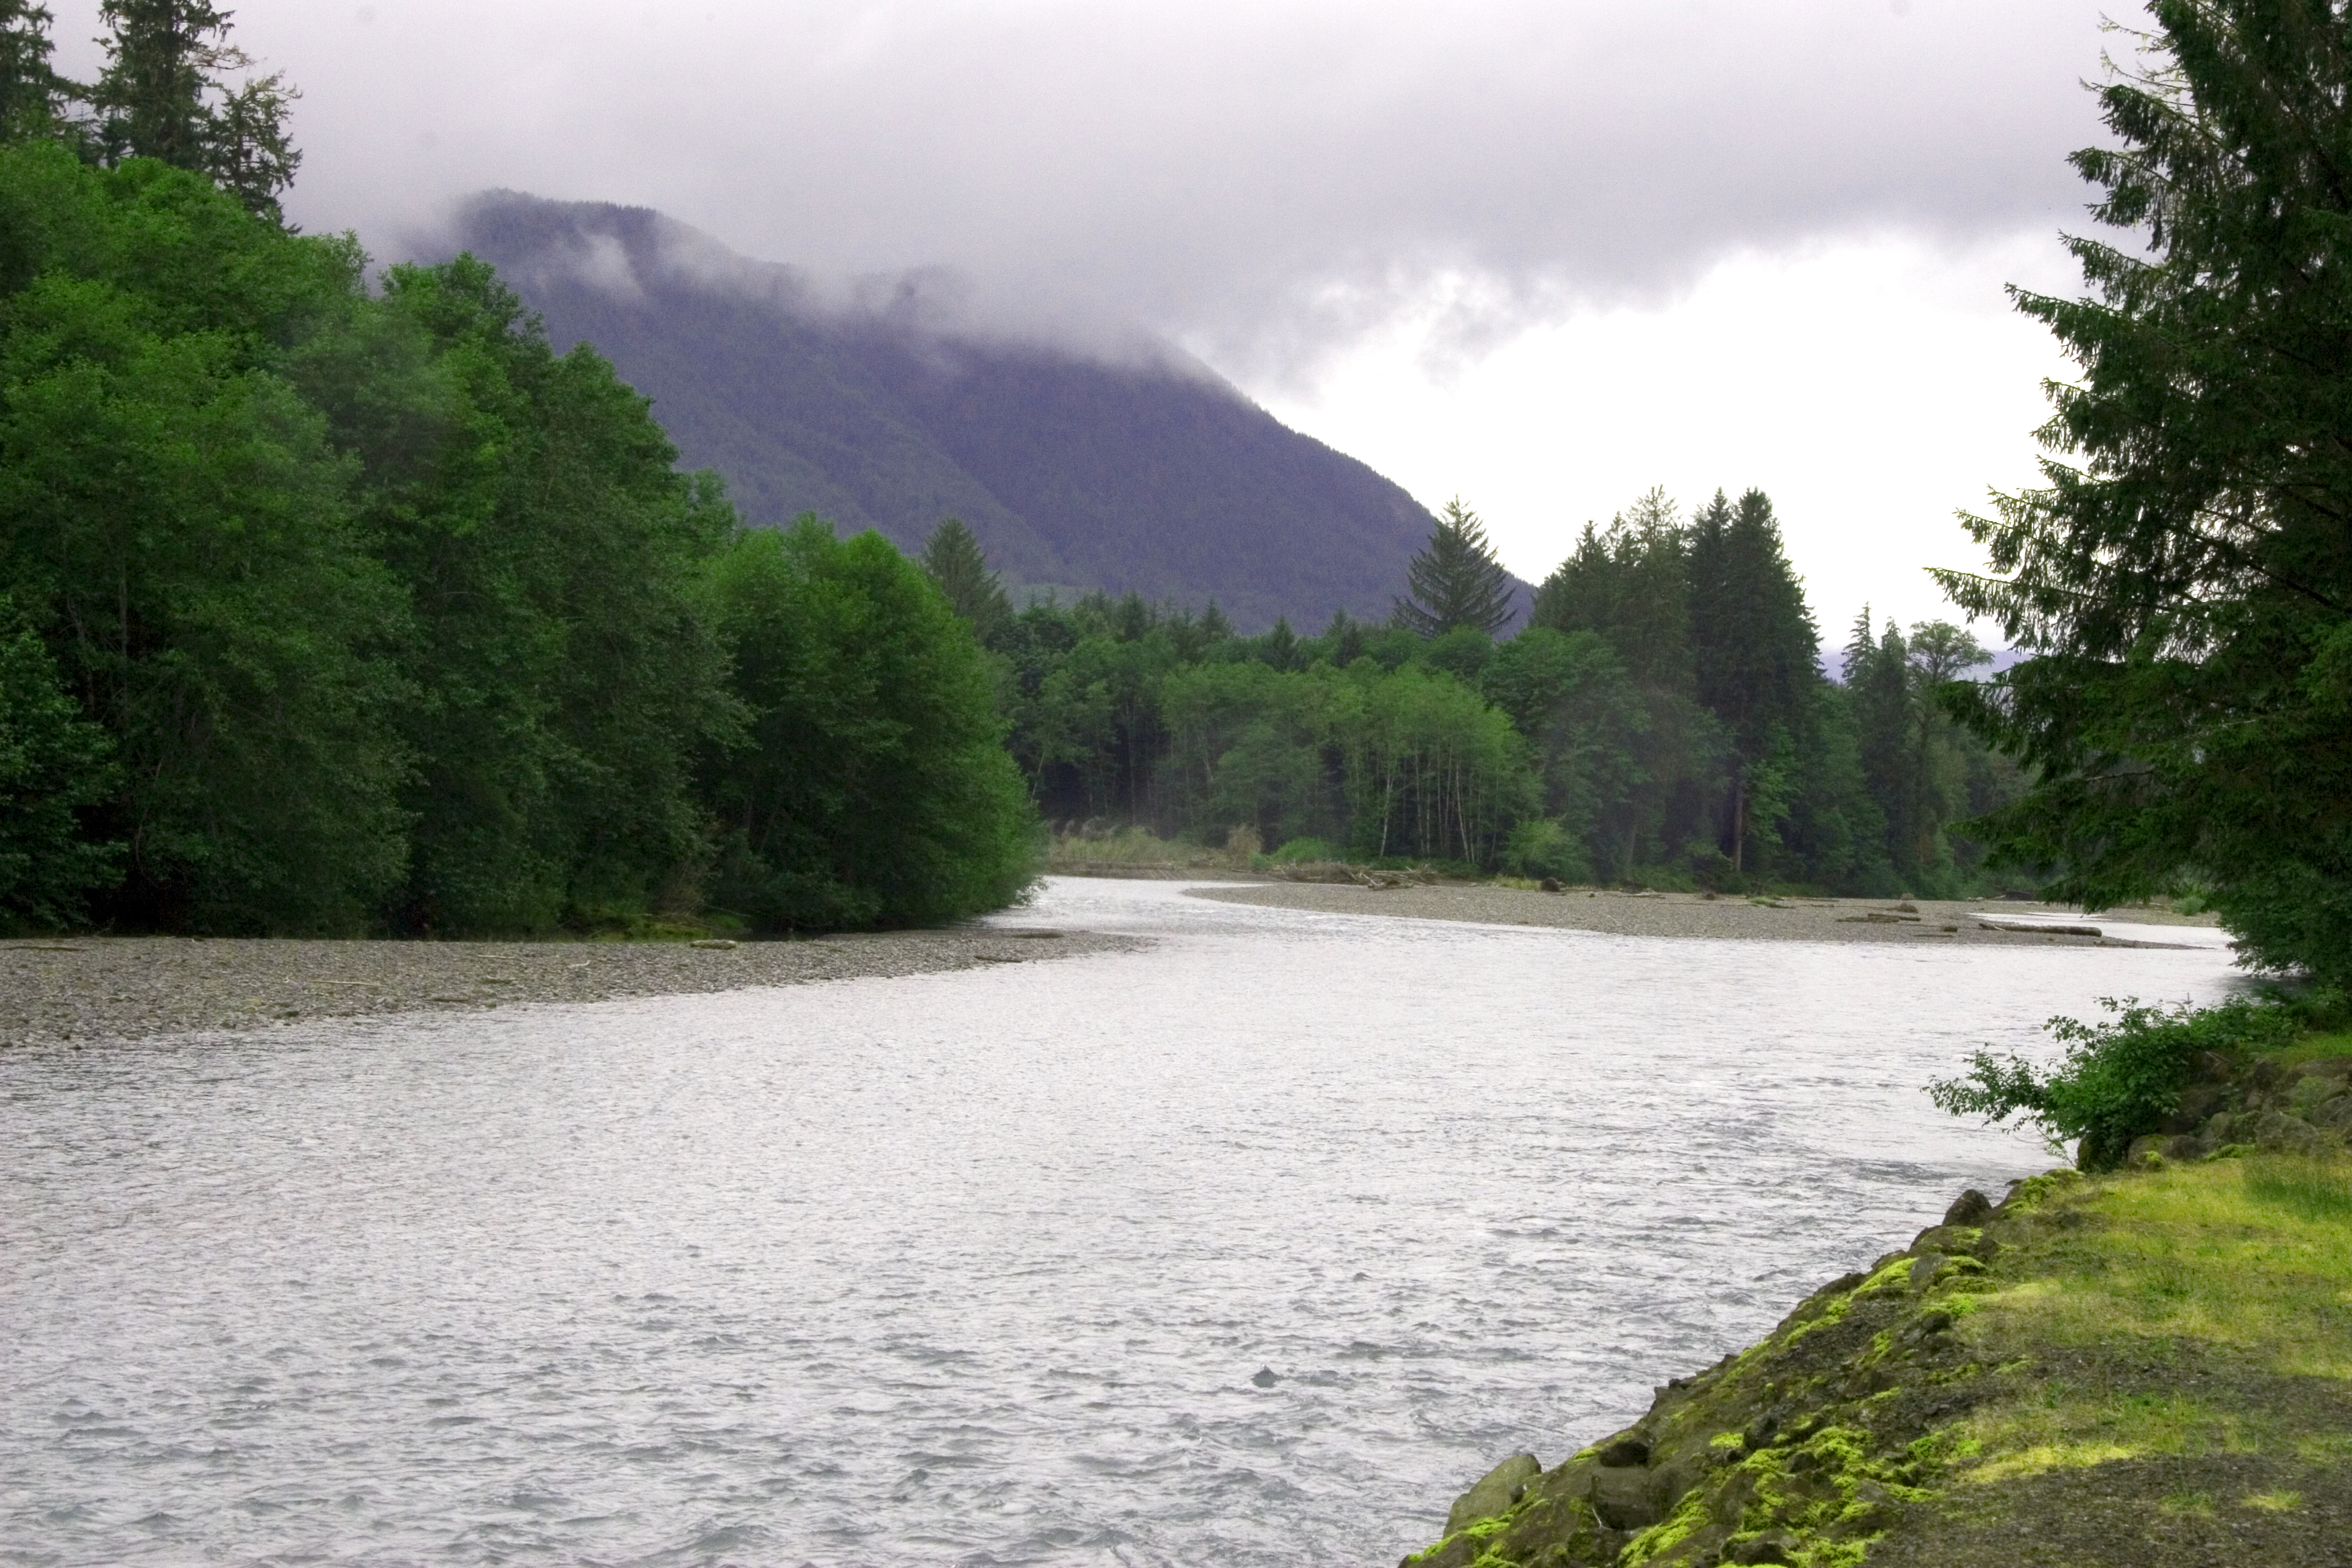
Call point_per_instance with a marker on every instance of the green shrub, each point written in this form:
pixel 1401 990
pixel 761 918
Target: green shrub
pixel 1543 846
pixel 2118 1079
pixel 1298 850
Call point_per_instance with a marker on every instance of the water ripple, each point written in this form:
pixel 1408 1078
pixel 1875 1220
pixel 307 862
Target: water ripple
pixel 976 1269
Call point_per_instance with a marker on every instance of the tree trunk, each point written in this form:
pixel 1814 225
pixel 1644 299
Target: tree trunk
pixel 1738 818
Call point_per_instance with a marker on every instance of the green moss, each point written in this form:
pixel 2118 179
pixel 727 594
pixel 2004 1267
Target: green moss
pixel 2036 1191
pixel 2125 1283
pixel 1689 1517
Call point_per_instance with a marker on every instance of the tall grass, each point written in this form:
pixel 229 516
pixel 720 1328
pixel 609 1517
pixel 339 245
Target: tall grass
pixel 2313 1189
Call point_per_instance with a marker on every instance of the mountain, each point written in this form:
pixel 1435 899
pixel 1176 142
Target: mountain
pixel 1137 471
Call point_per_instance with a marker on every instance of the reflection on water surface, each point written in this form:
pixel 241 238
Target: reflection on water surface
pixel 973 1267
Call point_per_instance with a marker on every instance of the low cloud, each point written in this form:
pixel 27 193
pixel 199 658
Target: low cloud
pixel 1265 179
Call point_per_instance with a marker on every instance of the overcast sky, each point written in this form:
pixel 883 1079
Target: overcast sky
pixel 1542 255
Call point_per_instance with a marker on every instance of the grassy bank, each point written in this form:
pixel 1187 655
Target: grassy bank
pixel 2147 1368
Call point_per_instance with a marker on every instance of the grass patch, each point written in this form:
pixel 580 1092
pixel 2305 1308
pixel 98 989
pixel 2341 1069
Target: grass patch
pixel 1139 849
pixel 2197 1253
pixel 2310 1048
pixel 2081 1428
pixel 2316 1190
pixel 2252 1256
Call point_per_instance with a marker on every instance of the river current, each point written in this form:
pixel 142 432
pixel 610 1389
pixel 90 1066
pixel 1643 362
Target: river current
pixel 1252 1249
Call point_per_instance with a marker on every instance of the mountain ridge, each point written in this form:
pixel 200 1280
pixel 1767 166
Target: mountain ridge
pixel 1078 471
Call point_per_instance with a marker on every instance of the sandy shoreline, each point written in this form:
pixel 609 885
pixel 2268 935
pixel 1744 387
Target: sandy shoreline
pixel 1915 923
pixel 127 988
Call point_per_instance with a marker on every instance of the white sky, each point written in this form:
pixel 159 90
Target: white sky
pixel 1872 387
pixel 1541 253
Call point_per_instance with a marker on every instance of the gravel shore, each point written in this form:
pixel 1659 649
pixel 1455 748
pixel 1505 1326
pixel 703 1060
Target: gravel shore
pixel 1695 915
pixel 116 988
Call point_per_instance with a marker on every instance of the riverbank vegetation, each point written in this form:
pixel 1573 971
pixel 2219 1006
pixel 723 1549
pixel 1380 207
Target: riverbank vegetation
pixel 2142 1362
pixel 333 610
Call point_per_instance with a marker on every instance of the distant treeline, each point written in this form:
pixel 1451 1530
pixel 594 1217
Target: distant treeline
pixel 1664 719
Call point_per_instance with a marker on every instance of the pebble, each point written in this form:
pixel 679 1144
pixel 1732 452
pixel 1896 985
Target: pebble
pixel 90 989
pixel 1655 914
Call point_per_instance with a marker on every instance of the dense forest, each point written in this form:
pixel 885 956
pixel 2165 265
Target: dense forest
pixel 328 606
pixel 332 609
pixel 1665 720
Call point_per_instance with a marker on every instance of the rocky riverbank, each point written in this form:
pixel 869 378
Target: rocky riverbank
pixel 2151 1369
pixel 86 989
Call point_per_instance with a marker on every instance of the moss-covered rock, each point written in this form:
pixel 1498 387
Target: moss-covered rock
pixel 1924 1411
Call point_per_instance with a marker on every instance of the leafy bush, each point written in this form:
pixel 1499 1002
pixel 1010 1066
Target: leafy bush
pixel 1543 846
pixel 2118 1079
pixel 1298 850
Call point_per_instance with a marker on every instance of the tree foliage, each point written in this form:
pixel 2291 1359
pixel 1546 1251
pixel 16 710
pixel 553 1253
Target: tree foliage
pixel 2184 577
pixel 1456 583
pixel 374 613
pixel 54 764
pixel 1580 748
pixel 33 97
pixel 869 783
pixel 1925 772
pixel 952 557
pixel 174 89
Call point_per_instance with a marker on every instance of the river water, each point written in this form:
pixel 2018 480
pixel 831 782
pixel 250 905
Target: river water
pixel 1253 1248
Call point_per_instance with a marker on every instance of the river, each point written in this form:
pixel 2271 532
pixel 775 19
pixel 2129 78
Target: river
pixel 1253 1248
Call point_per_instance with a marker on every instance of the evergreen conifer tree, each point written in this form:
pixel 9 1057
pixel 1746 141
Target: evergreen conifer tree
pixel 32 95
pixel 165 94
pixel 1753 643
pixel 2185 575
pixel 1456 581
pixel 1579 594
pixel 1278 648
pixel 1343 640
pixel 952 557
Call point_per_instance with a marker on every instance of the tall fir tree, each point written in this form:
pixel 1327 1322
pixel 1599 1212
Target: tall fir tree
pixel 1456 583
pixel 32 95
pixel 2184 576
pixel 1753 643
pixel 953 558
pixel 165 94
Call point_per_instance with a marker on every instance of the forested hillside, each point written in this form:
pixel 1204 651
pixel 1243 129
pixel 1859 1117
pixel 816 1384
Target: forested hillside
pixel 1148 475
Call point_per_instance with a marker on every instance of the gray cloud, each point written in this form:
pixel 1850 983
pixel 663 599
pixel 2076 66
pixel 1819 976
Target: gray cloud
pixel 1266 178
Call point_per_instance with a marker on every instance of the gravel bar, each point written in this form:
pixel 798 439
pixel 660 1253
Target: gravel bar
pixel 126 988
pixel 1728 916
